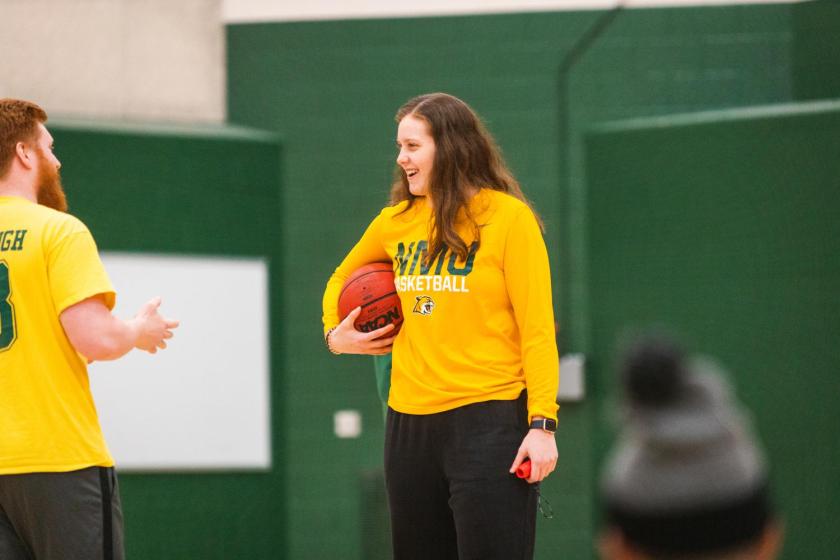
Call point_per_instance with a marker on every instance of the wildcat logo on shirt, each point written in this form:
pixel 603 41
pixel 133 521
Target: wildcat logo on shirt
pixel 424 306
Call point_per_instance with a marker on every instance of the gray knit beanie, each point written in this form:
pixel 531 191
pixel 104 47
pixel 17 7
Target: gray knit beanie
pixel 686 476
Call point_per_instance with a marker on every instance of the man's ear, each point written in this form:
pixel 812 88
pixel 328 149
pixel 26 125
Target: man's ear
pixel 25 154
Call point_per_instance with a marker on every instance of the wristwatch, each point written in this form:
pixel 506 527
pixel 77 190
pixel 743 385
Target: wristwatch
pixel 544 424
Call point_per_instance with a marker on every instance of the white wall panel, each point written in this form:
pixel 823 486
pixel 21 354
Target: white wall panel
pixel 123 59
pixel 203 402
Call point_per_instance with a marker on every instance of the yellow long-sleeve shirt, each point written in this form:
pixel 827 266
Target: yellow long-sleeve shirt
pixel 474 330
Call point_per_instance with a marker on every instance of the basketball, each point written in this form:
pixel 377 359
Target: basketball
pixel 372 288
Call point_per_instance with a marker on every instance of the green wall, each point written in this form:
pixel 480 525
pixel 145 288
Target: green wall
pixel 816 50
pixel 331 88
pixel 657 62
pixel 724 226
pixel 194 190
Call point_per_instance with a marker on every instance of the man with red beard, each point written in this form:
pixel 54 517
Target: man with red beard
pixel 58 489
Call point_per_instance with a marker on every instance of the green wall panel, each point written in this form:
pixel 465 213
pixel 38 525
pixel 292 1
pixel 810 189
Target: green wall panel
pixel 189 190
pixel 657 62
pixel 650 62
pixel 332 87
pixel 816 51
pixel 723 226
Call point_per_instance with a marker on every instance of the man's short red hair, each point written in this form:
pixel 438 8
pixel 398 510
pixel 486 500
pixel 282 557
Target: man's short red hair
pixel 18 123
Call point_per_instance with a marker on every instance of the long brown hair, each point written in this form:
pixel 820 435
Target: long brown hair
pixel 466 158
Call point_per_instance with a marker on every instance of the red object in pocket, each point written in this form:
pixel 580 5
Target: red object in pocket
pixel 524 469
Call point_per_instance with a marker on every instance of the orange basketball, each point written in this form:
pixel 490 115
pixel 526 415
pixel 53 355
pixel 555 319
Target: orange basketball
pixel 372 288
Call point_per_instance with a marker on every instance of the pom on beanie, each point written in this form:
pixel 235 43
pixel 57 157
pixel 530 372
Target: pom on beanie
pixel 652 373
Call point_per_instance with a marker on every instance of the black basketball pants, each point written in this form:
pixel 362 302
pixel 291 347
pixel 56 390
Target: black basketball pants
pixel 73 515
pixel 449 490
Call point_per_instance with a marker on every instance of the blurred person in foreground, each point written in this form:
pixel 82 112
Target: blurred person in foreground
pixel 686 479
pixel 58 489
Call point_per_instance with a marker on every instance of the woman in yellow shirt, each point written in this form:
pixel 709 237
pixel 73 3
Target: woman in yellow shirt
pixel 475 365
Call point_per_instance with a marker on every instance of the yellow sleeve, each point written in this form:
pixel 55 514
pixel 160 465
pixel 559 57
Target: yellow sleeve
pixel 528 280
pixel 368 250
pixel 75 269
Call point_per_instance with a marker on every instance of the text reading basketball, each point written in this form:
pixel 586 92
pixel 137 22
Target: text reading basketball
pixel 414 278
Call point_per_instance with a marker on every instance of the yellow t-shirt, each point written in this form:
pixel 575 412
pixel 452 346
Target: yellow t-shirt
pixel 474 330
pixel 48 262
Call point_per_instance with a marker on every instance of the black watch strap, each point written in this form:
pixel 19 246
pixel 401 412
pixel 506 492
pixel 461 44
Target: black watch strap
pixel 545 424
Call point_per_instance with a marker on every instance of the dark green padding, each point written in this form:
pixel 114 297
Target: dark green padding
pixel 724 226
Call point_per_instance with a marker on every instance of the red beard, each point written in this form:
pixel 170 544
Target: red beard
pixel 50 191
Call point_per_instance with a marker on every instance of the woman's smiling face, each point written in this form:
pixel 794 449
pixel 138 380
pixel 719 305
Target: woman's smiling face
pixel 417 153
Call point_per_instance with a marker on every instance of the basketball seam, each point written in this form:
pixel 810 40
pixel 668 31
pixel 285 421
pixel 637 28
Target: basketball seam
pixel 344 288
pixel 379 298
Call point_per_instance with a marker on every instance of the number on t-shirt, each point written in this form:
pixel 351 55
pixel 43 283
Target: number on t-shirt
pixel 7 310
